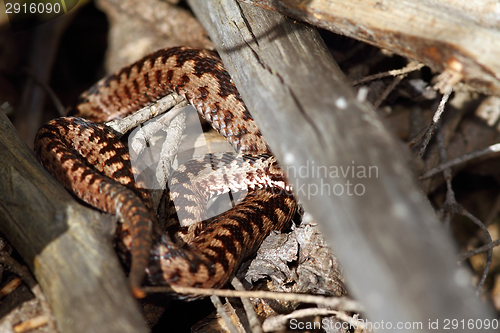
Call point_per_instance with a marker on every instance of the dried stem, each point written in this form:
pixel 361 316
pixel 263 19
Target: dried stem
pixel 411 67
pixel 254 322
pixel 461 159
pixel 433 125
pixel 222 313
pixel 164 104
pixel 339 303
pixel 451 206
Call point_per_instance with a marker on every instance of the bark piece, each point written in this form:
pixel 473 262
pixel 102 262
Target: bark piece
pixel 436 33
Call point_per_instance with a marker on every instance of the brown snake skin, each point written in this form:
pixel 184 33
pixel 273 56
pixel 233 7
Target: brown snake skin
pixel 89 160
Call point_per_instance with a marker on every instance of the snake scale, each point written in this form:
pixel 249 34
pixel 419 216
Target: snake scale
pixel 88 159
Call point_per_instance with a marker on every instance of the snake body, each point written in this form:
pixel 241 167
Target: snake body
pixel 89 160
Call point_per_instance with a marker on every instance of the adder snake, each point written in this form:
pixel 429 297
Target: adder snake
pixel 88 159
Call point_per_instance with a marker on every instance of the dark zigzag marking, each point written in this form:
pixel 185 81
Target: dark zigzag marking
pixel 146 80
pixel 219 257
pixel 230 247
pixel 158 75
pixel 127 92
pixel 137 88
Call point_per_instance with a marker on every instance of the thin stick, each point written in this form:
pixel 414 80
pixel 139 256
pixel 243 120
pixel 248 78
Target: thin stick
pixel 484 248
pixel 451 206
pixel 222 313
pixel 435 120
pixel 10 287
pixel 171 145
pixel 139 142
pixel 338 303
pixel 450 194
pixel 461 159
pixel 48 90
pixel 164 104
pixel 254 322
pixel 388 90
pixel 31 324
pixel 489 259
pixel 411 67
pixel 419 136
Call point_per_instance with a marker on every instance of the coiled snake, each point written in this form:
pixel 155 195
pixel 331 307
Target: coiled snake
pixel 88 159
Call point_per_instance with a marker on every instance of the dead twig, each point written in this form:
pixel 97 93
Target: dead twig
pixel 338 303
pixel 161 106
pixel 489 258
pixel 222 313
pixel 450 201
pixel 461 159
pixel 10 287
pixel 31 324
pixel 484 248
pixel 48 90
pixel 419 136
pixel 388 90
pixel 451 206
pixel 433 125
pixel 411 67
pixel 254 322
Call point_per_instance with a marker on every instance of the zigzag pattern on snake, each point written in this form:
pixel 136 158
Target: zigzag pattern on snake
pixel 89 160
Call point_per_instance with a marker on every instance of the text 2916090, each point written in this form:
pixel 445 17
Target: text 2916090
pixel 27 14
pixel 32 8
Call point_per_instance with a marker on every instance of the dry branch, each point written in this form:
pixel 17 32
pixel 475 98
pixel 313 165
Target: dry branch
pixel 436 33
pixel 398 260
pixel 58 239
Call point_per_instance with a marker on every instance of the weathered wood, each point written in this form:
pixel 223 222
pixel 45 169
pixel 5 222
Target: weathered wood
pixel 75 265
pixel 432 32
pixel 398 260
